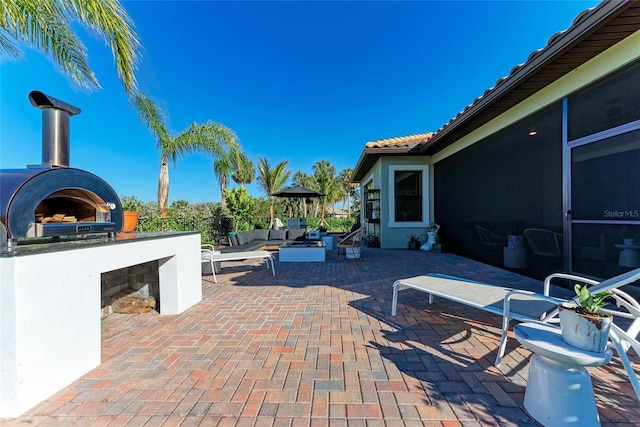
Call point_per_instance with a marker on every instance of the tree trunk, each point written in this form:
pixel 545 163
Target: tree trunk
pixel 271 212
pixel 163 187
pixel 223 189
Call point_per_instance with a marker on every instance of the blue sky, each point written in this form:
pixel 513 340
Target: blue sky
pixel 300 81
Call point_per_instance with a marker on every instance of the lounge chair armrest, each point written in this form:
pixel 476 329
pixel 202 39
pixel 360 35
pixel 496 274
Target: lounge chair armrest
pixel 565 276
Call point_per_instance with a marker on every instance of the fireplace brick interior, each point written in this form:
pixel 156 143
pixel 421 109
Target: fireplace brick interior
pixel 141 277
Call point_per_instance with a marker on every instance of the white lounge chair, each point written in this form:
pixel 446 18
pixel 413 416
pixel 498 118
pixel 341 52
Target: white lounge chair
pixel 209 255
pixel 529 306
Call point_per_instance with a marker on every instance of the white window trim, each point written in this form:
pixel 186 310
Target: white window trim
pixel 425 196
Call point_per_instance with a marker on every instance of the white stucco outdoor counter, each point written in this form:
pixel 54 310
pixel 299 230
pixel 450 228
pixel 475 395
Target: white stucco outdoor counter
pixel 50 297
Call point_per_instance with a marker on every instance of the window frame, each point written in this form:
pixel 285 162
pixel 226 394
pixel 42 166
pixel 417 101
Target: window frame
pixel 424 169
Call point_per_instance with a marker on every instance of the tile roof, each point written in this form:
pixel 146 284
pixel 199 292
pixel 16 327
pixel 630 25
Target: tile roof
pixel 398 146
pixel 554 38
pixel 408 141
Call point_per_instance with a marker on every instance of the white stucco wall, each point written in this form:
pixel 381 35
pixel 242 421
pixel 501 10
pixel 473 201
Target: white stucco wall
pixel 50 309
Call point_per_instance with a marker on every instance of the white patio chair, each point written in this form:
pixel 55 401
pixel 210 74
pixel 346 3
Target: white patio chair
pixel 543 242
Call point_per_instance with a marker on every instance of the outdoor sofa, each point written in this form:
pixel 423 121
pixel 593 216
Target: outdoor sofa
pixel 258 239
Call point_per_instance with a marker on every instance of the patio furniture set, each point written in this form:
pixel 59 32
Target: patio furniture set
pixel 559 391
pixel 299 250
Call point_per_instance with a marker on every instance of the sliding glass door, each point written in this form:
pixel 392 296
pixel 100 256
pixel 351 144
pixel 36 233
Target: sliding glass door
pixel 604 207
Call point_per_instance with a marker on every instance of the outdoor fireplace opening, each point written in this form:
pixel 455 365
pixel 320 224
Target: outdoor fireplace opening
pixel 72 205
pixel 131 290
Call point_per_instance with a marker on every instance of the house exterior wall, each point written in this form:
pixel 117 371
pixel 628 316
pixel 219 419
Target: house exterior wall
pixel 394 235
pixel 547 166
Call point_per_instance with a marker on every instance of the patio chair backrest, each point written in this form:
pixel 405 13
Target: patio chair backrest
pixel 352 239
pixel 488 237
pixel 544 242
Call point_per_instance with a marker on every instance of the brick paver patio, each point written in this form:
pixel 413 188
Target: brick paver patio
pixel 316 346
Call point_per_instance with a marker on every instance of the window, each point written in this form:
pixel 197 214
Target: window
pixel 606 104
pixel 408 198
pixel 408 195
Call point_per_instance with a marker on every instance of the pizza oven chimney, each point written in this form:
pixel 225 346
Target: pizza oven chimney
pixel 55 128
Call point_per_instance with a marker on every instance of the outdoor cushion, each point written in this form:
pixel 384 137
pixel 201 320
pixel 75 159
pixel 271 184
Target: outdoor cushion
pixel 261 234
pixel 244 237
pixel 234 240
pixel 277 234
pixel 295 234
pixel 250 236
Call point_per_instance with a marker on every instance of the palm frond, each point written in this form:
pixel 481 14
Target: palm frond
pixel 222 166
pixel 209 137
pixel 45 25
pixel 109 19
pixel 9 45
pixel 244 170
pixel 152 117
pixel 273 179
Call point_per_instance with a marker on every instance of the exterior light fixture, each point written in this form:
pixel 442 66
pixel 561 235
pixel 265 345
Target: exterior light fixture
pixel 533 132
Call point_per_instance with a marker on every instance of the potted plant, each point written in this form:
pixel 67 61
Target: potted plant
pixel 130 212
pixel 414 241
pixel 582 323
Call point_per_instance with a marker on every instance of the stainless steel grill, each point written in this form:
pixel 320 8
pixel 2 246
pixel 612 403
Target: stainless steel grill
pixel 52 199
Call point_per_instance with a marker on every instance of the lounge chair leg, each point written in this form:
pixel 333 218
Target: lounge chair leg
pixel 213 270
pixel 394 301
pixel 503 341
pixel 624 358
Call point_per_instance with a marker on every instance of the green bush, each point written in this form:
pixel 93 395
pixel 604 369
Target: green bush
pixel 214 223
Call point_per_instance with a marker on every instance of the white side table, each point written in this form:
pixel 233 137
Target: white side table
pixel 559 390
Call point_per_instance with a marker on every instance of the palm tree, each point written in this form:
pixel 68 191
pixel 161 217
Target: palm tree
pixel 325 181
pixel 46 25
pixel 209 137
pixel 272 180
pixel 347 186
pixel 222 167
pixel 244 171
pixel 303 180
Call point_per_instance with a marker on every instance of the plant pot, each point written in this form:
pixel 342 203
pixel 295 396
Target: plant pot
pixel 414 244
pixel 130 221
pixel 586 331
